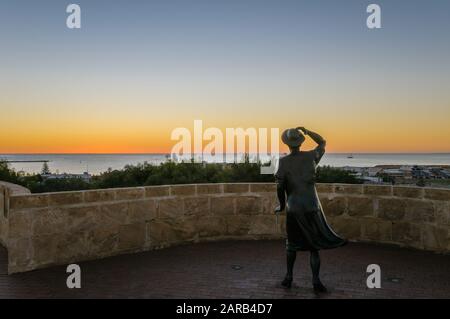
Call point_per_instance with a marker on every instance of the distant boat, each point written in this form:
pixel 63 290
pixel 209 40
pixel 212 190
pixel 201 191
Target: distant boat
pixel 350 156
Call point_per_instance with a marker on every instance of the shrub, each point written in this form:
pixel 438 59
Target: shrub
pixel 7 174
pixel 166 173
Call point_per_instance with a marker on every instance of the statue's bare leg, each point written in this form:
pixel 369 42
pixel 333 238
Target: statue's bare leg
pixel 290 261
pixel 315 268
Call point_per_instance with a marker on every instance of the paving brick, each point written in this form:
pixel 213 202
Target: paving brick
pixel 207 270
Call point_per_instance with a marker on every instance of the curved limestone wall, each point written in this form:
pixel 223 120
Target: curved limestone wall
pixel 61 228
pixel 4 206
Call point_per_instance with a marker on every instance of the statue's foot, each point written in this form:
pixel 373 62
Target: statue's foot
pixel 287 282
pixel 319 288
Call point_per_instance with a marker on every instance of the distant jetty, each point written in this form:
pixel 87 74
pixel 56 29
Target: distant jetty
pixel 31 161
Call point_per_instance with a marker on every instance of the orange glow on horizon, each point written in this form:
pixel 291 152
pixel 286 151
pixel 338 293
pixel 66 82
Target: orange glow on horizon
pixel 148 133
pixel 163 145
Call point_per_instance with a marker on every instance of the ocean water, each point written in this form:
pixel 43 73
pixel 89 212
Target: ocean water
pixel 97 163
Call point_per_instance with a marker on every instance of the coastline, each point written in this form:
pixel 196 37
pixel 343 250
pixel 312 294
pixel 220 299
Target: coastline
pixel 97 163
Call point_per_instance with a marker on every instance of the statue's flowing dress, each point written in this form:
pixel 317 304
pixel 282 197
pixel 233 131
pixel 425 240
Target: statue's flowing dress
pixel 306 225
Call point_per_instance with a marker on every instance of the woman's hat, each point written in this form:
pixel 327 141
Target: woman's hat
pixel 292 137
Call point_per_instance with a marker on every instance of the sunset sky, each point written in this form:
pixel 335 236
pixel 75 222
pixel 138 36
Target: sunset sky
pixel 136 70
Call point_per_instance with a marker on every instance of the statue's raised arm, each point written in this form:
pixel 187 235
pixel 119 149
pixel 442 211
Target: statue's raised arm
pixel 314 136
pixel 321 143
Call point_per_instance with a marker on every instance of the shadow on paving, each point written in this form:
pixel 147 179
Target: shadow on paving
pixel 238 269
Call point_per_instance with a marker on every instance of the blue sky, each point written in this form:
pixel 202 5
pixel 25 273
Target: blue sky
pixel 315 60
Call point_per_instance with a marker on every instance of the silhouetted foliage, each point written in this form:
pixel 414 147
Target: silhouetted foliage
pixel 45 169
pixel 421 182
pixel 387 179
pixel 7 174
pixel 328 174
pixel 166 173
pixel 180 173
pixel 58 185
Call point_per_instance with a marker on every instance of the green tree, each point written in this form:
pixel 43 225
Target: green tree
pixel 328 174
pixel 45 169
pixel 7 174
pixel 421 182
pixel 166 173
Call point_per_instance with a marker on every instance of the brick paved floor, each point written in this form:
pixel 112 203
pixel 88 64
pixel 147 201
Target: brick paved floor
pixel 207 270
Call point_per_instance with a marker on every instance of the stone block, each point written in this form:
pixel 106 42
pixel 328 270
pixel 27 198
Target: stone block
pixel 187 229
pixel 437 194
pixel 49 221
pixel 132 237
pixel 160 232
pixel 378 190
pixel 377 230
pixel 170 208
pixel 348 189
pixel 44 249
pixel 324 188
pixel 435 238
pixel 83 218
pixel 263 188
pixel 20 224
pixel 206 189
pixel 3 233
pixel 5 204
pixel 106 195
pixel 28 201
pixel 442 213
pixel 130 193
pixel 263 225
pixel 71 247
pixel 65 198
pixel 238 225
pixel 248 205
pixel 406 233
pixel 112 214
pixel 168 232
pixel 333 206
pixel 157 191
pixel 222 206
pixel 196 206
pixel 142 211
pixel 2 202
pixel 183 190
pixel 236 188
pixel 360 206
pixel 392 208
pixel 209 226
pixel 269 203
pixel 20 251
pixel 348 228
pixel 103 241
pixel 409 192
pixel 420 211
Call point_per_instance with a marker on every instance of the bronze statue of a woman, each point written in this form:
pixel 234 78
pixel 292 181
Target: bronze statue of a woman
pixel 306 225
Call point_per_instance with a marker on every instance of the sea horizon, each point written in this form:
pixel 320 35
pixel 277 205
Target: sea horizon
pixel 159 153
pixel 96 163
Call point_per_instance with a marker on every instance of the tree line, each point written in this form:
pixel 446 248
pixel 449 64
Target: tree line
pixel 169 172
